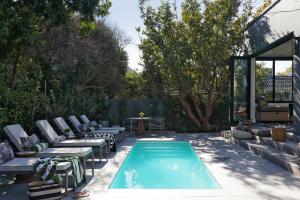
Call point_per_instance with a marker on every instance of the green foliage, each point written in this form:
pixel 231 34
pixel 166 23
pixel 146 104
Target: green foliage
pixel 134 86
pixel 190 54
pixel 57 60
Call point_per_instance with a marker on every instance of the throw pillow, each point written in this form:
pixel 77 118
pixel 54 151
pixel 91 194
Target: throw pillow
pixel 6 152
pixel 34 139
pixel 26 142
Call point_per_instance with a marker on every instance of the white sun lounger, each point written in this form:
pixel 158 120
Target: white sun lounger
pixel 120 136
pixel 25 166
pixel 76 124
pixel 50 134
pixel 15 131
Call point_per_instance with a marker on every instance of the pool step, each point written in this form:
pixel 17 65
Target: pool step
pixel 286 161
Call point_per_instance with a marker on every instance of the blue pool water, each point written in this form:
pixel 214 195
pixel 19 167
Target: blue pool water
pixel 164 165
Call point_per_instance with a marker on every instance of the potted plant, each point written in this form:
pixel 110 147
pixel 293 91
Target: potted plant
pixel 141 114
pixel 67 132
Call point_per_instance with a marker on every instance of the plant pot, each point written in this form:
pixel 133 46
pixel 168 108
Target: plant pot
pixel 278 134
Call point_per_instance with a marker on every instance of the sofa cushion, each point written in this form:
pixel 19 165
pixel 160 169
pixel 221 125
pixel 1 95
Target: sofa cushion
pixel 243 135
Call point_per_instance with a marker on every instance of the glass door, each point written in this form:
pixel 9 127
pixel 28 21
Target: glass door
pixel 240 88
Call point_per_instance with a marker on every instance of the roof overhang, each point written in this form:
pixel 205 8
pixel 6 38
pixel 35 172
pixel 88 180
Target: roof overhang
pixel 282 48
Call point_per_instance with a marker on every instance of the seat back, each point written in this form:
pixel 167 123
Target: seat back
pixel 85 119
pixel 62 126
pixel 47 130
pixel 75 123
pixel 14 132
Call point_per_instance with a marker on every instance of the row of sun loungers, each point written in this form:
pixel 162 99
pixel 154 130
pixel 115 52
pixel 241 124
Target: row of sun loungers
pixel 86 147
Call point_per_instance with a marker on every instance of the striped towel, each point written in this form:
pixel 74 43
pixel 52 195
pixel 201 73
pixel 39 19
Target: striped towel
pixel 40 147
pixel 46 168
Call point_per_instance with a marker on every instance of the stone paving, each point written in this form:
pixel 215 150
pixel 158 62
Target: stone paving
pixel 242 175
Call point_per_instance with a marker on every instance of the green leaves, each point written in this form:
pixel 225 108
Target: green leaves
pixel 190 53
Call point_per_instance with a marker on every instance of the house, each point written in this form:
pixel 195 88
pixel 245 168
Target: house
pixel 270 66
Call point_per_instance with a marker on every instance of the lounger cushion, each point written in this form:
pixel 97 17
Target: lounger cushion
pixel 6 152
pixel 26 165
pixel 243 135
pixel 64 127
pixel 84 119
pixel 80 143
pixel 14 132
pixel 46 129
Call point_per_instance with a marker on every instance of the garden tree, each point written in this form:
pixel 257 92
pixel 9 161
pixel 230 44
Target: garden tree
pixel 191 52
pixel 83 66
pixel 22 22
pixel 134 86
pixel 22 25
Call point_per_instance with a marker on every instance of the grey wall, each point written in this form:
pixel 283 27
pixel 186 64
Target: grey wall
pixel 296 95
pixel 282 19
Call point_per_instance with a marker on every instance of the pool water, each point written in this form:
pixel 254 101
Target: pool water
pixel 164 165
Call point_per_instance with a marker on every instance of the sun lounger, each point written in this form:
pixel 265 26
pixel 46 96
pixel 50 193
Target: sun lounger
pixel 108 135
pixel 51 136
pixel 119 137
pixel 15 132
pixel 25 166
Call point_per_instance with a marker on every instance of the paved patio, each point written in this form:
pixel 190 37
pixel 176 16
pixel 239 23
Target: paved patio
pixel 242 175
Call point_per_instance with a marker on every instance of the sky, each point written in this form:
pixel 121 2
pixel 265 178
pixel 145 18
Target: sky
pixel 125 15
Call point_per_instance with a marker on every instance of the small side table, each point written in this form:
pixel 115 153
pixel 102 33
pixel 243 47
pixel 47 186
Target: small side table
pixel 24 178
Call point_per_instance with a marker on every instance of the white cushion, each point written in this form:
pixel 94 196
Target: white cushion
pixel 79 152
pixel 80 143
pixel 85 119
pixel 46 129
pixel 26 165
pixel 62 125
pixel 14 132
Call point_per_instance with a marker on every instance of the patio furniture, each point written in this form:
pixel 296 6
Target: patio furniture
pixel 141 121
pixel 157 124
pixel 15 132
pixel 119 137
pixel 273 114
pixel 242 135
pixel 108 135
pixel 24 166
pixel 291 111
pixel 52 137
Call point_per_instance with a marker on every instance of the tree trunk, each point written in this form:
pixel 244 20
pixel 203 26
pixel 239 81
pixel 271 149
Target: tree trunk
pixel 197 117
pixel 15 69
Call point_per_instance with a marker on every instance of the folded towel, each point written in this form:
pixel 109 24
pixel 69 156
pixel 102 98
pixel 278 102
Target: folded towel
pixel 40 147
pixel 46 168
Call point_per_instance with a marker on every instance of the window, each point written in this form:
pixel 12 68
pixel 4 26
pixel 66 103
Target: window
pixel 283 80
pixel 264 79
pixel 274 80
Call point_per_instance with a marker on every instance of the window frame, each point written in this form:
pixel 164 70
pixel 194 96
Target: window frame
pixel 274 59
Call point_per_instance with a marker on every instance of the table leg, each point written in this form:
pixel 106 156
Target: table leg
pixel 131 128
pixel 106 151
pixel 66 182
pixel 84 169
pixel 100 151
pixel 93 164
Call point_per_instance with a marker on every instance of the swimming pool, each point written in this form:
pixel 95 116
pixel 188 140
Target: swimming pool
pixel 163 165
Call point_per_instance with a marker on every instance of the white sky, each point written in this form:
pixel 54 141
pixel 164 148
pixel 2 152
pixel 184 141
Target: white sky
pixel 126 15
